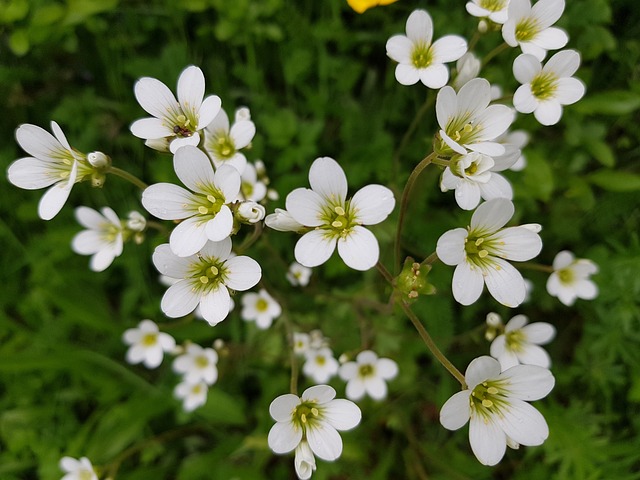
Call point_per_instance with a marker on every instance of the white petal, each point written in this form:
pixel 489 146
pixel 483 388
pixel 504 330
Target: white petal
pixel 494 121
pixel 191 89
pixel 228 180
pixel 319 393
pixel 327 178
pixel 534 355
pixel 87 242
pixel 449 48
pixel 419 27
pixel 386 368
pixel 359 249
pixel 467 283
pixel 487 439
pixel 492 149
pixel 102 259
pixel 305 207
pixel 491 216
pixel 242 133
pixel 523 423
pixel 314 248
pixel 167 201
pixel 481 369
pixel 569 90
pixel 467 194
pixel 342 414
pixel 563 259
pixel 218 250
pixel 549 112
pixel 456 411
pixel 284 437
pixel 399 48
pixel 219 124
pixel 505 283
pixel 156 98
pixel 355 389
pixel 53 200
pixel 517 243
pixel 179 300
pixel 31 173
pixel 215 305
pixel 446 103
pixel 525 68
pixel 531 48
pixel 376 388
pixel 282 407
pixel 169 264
pixel 325 441
pixel 151 129
pixel 528 382
pixel 497 187
pixel 89 218
pixel 188 237
pixel 36 141
pixel 587 290
pixel 372 204
pixel 564 63
pixel 450 246
pixel 193 168
pixel 547 12
pixel 523 99
pixel 539 332
pixel 474 97
pixel 434 76
pixel 407 74
pixel 179 142
pixel 242 273
pixel 220 226
pixel 348 371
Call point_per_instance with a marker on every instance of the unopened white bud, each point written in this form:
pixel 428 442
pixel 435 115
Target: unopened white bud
pixel 99 159
pixel 494 320
pixel 136 221
pixel 272 194
pixel 251 212
pixel 242 113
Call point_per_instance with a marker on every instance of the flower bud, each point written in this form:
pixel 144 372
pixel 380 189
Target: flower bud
pixel 136 221
pixel 250 212
pixel 242 113
pixel 412 281
pixel 99 160
pixel 98 179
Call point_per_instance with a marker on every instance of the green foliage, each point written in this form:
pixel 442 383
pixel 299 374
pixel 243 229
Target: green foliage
pixel 318 83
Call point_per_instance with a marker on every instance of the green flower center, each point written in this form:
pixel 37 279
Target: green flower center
pixel 527 29
pixel 493 5
pixel 85 475
pixel 150 339
pixel 223 146
pixel 338 220
pixel 247 189
pixel 365 370
pixel 422 55
pixel 306 415
pixel 210 204
pixel 202 361
pixel 262 305
pixel 478 249
pixel 514 340
pixel 320 360
pixel 566 276
pixel 208 274
pixel 544 86
pixel 183 126
pixel 486 399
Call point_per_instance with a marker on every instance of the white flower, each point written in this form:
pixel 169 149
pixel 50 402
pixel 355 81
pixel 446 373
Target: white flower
pixel 519 344
pixel 513 143
pixel 193 395
pixel 468 122
pixel 53 163
pixel 301 342
pixel 304 462
pixel 179 120
pixel 204 279
pixel 367 375
pixel 77 469
pixel 496 405
pixel 468 67
pixel 315 418
pixel 147 344
pixel 197 364
pixel 102 239
pixel 570 279
pixel 480 253
pixel 320 365
pixel 418 58
pixel 261 308
pixel 282 221
pixel 207 214
pixel 251 188
pixel 250 212
pixel 299 275
pixel 336 221
pixel 223 143
pixel 494 10
pixel 473 176
pixel 545 90
pixel 530 27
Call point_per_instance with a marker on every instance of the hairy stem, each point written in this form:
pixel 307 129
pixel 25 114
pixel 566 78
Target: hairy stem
pixel 128 177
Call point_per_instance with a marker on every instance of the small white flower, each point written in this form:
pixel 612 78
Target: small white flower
pixel 468 67
pixel 261 308
pixel 494 10
pixel 223 144
pixel 314 418
pixel 250 212
pixel 252 188
pixel 299 275
pixel 197 364
pixel 368 375
pixel 519 344
pixel 204 279
pixel 193 395
pixel 320 365
pixel 205 208
pixel 473 176
pixel 179 120
pixel 282 221
pixel 301 342
pixel 336 221
pixel 481 250
pixel 317 339
pixel 304 461
pixel 77 469
pixel 570 279
pixel 418 58
pixel 468 122
pixel 530 27
pixel 147 344
pixel 102 239
pixel 496 406
pixel 53 164
pixel 545 90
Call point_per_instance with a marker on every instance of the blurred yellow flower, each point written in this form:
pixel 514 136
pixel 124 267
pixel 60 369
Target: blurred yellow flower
pixel 361 5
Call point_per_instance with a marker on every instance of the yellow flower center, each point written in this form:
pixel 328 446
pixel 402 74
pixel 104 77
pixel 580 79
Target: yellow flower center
pixel 262 305
pixel 223 146
pixel 422 55
pixel 566 276
pixel 202 361
pixel 306 415
pixel 486 399
pixel 527 29
pixel 492 5
pixel 544 86
pixel 365 370
pixel 150 339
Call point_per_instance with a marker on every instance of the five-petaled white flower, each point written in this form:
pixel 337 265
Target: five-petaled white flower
pixel 520 343
pixel 103 238
pixel 473 176
pixel 480 253
pixel 53 164
pixel 367 375
pixel 495 405
pixel 298 275
pixel 197 364
pixel 178 120
pixel 418 58
pixel 336 220
pixel 494 10
pixel 468 122
pixel 223 144
pixel 204 279
pixel 193 395
pixel 261 308
pixel 530 27
pixel 570 278
pixel 77 469
pixel 545 90
pixel 207 214
pixel 301 343
pixel 147 344
pixel 320 365
pixel 314 418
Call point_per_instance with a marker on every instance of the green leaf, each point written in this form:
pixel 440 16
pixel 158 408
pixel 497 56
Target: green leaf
pixel 14 11
pixel 602 152
pixel 19 42
pixel 615 181
pixel 613 102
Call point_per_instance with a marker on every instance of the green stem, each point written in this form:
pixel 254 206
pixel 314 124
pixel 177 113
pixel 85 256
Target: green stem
pixel 128 177
pixel 499 49
pixel 250 240
pixel 406 193
pixel 430 260
pixel 426 338
pixel 536 266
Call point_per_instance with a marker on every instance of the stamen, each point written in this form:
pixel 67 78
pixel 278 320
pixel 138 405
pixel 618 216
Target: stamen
pixel 303 418
pixel 483 253
pixel 203 210
pixel 336 224
pixel 339 210
pixel 204 279
pixel 214 270
pixel 479 241
pixel 487 403
pixel 492 390
pixel 211 198
pixel 314 412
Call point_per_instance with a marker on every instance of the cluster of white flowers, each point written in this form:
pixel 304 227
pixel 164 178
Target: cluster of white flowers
pixel 320 364
pixel 198 367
